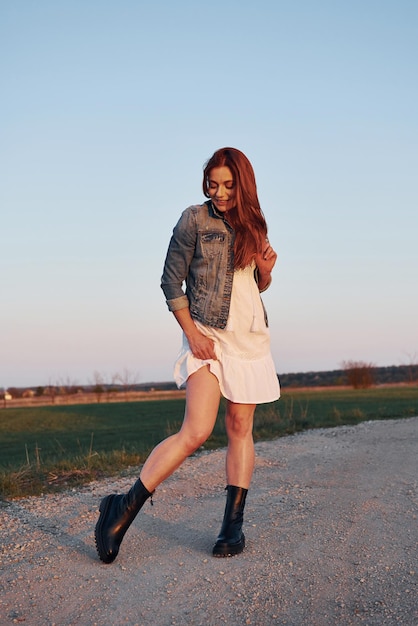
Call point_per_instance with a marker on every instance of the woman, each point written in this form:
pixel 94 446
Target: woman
pixel 221 251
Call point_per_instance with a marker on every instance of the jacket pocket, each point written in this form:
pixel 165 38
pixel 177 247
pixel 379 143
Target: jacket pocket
pixel 212 243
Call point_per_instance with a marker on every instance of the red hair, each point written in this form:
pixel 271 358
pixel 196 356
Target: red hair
pixel 246 218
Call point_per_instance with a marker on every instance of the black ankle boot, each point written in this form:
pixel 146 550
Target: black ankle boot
pixel 117 512
pixel 231 539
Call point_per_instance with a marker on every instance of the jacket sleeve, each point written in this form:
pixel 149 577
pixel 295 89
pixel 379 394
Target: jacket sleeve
pixel 180 253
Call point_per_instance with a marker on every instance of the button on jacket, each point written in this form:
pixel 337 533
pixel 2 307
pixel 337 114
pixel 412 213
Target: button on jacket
pixel 201 254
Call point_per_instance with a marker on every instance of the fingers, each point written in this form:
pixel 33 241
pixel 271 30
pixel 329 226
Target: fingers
pixel 208 352
pixel 266 259
pixel 268 251
pixel 203 348
pixel 212 352
pixel 205 355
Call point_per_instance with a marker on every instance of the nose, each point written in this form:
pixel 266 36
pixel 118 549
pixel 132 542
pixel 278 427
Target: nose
pixel 220 192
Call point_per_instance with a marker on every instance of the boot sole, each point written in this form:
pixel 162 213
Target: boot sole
pixel 100 546
pixel 224 549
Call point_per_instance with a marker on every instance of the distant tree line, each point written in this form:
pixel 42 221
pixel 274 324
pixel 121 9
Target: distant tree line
pixel 101 389
pixel 357 374
pixel 373 375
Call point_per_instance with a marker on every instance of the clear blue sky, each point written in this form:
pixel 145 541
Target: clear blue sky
pixel 108 112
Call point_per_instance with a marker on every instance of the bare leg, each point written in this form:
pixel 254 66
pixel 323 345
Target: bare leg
pixel 202 403
pixel 240 454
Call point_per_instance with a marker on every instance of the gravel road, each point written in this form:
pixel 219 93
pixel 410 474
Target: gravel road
pixel 332 539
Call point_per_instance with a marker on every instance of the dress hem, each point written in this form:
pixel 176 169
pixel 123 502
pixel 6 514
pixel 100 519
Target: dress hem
pixel 193 366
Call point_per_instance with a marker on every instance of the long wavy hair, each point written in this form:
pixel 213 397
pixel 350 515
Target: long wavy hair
pixel 246 217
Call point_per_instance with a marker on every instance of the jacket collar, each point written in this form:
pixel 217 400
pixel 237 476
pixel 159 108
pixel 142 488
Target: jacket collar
pixel 213 211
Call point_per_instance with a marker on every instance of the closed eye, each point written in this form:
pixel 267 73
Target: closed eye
pixel 229 184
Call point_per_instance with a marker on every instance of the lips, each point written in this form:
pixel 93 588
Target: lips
pixel 221 205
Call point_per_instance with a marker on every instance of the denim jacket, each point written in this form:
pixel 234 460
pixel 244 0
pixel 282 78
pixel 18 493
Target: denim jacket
pixel 201 254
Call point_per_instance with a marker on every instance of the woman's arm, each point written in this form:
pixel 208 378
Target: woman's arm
pixel 265 261
pixel 179 257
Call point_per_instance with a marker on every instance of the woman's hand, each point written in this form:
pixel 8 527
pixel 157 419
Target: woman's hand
pixel 265 260
pixel 202 347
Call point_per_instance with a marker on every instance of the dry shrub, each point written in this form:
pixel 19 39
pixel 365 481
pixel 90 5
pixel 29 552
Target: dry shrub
pixel 360 374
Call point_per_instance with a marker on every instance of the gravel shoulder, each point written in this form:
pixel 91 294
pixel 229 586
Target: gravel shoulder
pixel 331 528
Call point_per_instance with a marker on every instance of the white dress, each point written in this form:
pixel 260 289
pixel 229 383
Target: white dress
pixel 244 366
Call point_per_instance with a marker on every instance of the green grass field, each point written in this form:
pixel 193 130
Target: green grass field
pixel 48 448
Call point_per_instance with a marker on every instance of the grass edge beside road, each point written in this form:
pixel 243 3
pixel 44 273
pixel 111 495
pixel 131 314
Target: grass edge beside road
pixel 68 467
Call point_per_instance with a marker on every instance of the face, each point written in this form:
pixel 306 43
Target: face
pixel 221 188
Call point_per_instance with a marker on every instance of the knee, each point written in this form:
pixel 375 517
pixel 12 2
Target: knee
pixel 192 441
pixel 239 426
